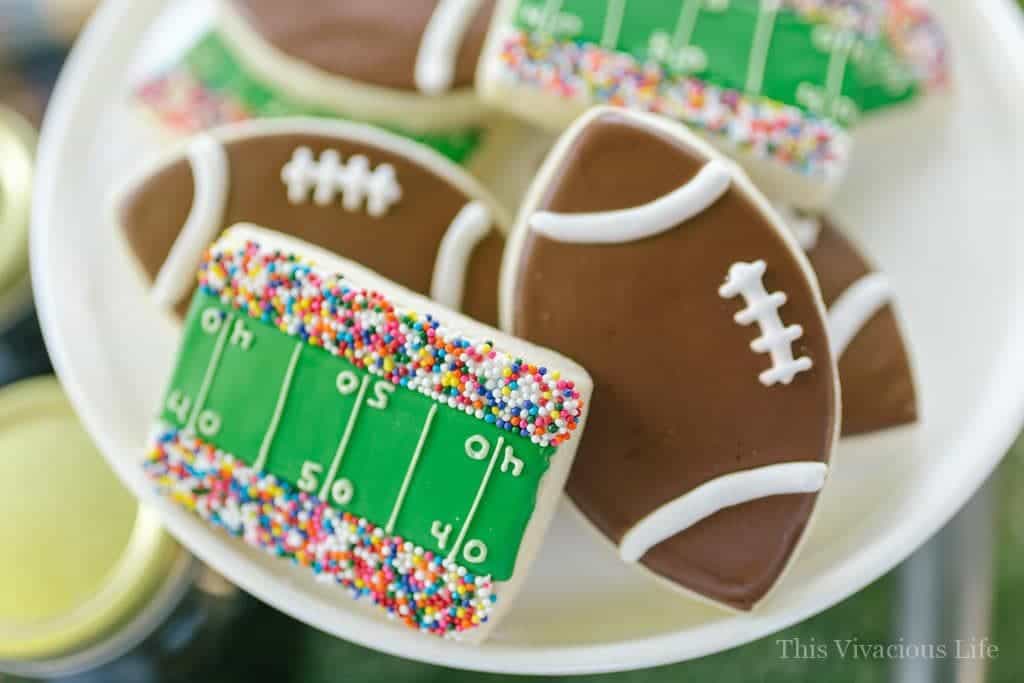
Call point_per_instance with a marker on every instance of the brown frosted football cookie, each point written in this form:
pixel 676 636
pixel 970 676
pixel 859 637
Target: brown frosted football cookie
pixel 650 259
pixel 371 197
pixel 407 62
pixel 874 365
pixel 387 44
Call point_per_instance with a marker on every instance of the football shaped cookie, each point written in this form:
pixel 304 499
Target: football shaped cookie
pixel 377 199
pixel 408 63
pixel 382 443
pixel 874 365
pixel 653 261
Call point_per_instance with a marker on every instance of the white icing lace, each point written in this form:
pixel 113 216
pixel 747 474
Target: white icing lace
pixel 353 180
pixel 763 308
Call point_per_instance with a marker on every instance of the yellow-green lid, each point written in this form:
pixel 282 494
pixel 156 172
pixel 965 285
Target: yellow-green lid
pixel 17 149
pixel 78 556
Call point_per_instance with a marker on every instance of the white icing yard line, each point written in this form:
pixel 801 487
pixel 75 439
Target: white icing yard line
pixel 550 16
pixel 343 444
pixel 761 44
pixel 275 420
pixel 838 59
pixel 211 371
pixel 476 501
pixel 412 468
pixel 613 24
pixel 688 14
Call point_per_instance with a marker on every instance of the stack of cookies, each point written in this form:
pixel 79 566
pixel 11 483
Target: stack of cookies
pixel 437 262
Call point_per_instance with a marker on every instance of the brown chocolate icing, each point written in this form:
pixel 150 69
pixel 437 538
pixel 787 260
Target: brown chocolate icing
pixel 370 41
pixel 875 374
pixel 400 245
pixel 677 400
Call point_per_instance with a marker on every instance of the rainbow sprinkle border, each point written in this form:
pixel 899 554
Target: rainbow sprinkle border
pixel 807 144
pixel 183 103
pixel 409 349
pixel 424 591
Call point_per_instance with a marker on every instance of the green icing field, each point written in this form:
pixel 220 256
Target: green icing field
pixel 445 480
pixel 737 45
pixel 216 67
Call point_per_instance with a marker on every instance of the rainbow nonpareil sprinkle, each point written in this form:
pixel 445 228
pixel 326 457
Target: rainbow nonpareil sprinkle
pixel 185 104
pixel 210 87
pixel 413 585
pixel 409 349
pixel 767 129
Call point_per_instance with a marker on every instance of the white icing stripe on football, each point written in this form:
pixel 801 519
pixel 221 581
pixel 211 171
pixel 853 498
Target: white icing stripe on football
pixel 439 48
pixel 629 225
pixel 710 497
pixel 855 307
pixel 209 162
pixel 469 227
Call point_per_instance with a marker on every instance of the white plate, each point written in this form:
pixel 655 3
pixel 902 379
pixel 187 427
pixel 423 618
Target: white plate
pixel 937 206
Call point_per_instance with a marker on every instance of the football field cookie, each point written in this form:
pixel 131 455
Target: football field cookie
pixel 405 452
pixel 774 83
pixel 374 198
pixel 653 261
pixel 874 365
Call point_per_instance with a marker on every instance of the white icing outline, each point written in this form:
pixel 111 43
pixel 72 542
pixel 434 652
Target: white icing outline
pixel 746 280
pixel 469 227
pixel 805 228
pixel 315 87
pixel 211 184
pixel 639 222
pixel 854 308
pixel 440 43
pixel 717 494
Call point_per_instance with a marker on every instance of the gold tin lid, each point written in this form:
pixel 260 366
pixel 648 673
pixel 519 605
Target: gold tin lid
pixel 78 555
